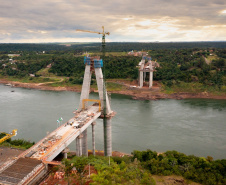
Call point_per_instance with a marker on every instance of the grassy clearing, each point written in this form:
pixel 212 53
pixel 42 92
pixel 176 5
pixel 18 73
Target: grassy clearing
pixel 193 87
pixel 114 86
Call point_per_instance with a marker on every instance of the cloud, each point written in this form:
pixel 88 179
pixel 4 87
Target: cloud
pixel 144 20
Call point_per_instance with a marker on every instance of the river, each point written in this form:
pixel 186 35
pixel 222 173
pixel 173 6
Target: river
pixel 191 126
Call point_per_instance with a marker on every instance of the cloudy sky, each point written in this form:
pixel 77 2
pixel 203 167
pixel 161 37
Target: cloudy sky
pixel 26 21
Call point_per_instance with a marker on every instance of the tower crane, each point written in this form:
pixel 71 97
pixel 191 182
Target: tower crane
pixel 103 37
pixel 8 136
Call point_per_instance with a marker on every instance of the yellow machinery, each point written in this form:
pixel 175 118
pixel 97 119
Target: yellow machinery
pixel 8 136
pixel 85 100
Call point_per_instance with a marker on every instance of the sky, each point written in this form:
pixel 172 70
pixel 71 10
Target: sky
pixel 38 21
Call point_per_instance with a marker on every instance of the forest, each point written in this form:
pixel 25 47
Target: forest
pixel 111 46
pixel 140 167
pixel 137 168
pixel 181 69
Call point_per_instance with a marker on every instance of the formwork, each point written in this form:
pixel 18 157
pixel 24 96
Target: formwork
pixel 18 171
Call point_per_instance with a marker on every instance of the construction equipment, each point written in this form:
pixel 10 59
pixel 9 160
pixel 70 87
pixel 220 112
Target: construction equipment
pixel 8 136
pixel 85 100
pixel 103 37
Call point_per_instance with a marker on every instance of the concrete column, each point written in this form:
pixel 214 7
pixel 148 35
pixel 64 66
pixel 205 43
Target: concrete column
pixel 150 79
pixel 85 85
pixel 65 151
pixel 141 75
pixel 141 79
pixel 100 84
pixel 77 146
pixel 107 137
pixel 65 155
pixel 84 143
pixel 80 145
pixel 93 137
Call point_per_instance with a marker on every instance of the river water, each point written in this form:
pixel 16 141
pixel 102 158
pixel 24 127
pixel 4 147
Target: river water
pixel 192 126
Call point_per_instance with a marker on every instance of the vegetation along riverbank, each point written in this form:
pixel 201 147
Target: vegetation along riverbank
pixel 185 70
pixel 141 167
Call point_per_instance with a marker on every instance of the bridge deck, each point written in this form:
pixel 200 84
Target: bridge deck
pixel 50 146
pixel 59 139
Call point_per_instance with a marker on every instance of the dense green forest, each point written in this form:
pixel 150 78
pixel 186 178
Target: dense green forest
pixel 187 68
pixel 111 46
pixel 139 168
pixel 189 65
pixel 198 169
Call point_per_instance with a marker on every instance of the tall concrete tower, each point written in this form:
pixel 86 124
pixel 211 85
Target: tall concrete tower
pixel 93 65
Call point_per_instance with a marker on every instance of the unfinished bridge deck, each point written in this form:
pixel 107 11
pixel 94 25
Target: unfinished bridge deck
pixel 49 147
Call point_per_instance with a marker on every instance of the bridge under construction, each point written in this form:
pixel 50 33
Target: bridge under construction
pixel 32 164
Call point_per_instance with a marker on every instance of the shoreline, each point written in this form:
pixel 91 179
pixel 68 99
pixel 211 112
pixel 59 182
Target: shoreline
pixel 135 93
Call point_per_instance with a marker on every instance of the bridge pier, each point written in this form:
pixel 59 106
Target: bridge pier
pixel 65 151
pixel 84 143
pixel 65 155
pixel 79 145
pixel 93 137
pixel 150 79
pixel 107 137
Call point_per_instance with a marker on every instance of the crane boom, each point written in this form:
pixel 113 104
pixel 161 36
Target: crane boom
pixel 88 31
pixel 8 136
pixel 103 33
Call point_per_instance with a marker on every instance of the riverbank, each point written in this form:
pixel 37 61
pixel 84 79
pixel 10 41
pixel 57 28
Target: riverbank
pixel 130 90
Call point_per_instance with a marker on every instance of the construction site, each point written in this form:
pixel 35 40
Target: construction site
pixel 30 165
pixel 27 167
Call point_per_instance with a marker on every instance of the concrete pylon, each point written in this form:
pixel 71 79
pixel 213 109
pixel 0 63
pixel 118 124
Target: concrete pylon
pixel 85 85
pixel 84 143
pixel 107 137
pixel 100 85
pixel 94 64
pixel 93 138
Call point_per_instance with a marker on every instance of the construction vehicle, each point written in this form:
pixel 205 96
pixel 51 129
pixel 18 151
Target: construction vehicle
pixel 8 136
